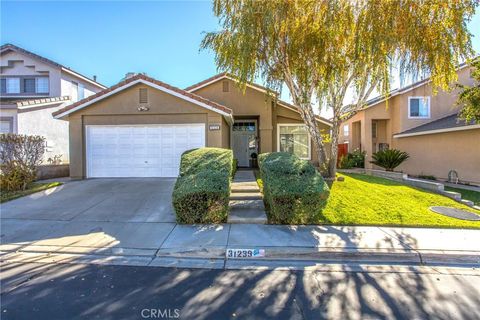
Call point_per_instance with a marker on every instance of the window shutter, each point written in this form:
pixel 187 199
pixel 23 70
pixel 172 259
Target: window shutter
pixel 143 95
pixel 225 86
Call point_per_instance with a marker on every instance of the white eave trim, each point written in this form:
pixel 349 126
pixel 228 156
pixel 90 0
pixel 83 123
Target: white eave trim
pixel 225 77
pixel 41 104
pixel 228 116
pixel 421 133
pixel 96 84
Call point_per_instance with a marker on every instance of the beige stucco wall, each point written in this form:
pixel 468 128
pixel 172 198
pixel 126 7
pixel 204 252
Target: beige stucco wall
pixel 121 108
pixel 39 121
pixel 394 116
pixel 257 105
pixel 437 154
pixel 250 102
pixel 16 64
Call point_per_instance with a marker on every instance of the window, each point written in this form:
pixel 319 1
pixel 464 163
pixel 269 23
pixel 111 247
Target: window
pixel 143 95
pixel 3 85
pixel 74 91
pixel 294 139
pixel 29 85
pixel 346 131
pixel 6 125
pixel 419 107
pixel 13 85
pixel 43 85
pixel 374 129
pixel 244 126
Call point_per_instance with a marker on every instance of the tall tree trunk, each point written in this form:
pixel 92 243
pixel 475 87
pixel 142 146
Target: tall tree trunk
pixel 332 164
pixel 310 121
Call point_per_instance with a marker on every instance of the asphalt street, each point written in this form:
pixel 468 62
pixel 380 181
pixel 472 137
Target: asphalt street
pixel 74 291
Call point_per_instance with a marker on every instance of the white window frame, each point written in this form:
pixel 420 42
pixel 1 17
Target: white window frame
pixel 427 98
pixel 348 130
pixel 295 125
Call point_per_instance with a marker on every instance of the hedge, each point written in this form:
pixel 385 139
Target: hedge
pixel 201 193
pixel 294 191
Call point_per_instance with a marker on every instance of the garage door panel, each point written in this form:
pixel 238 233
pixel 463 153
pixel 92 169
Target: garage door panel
pixel 140 151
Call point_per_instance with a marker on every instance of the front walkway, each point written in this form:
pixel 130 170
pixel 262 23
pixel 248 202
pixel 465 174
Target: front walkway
pixel 246 202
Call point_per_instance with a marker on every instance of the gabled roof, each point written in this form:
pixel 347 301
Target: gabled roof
pixel 11 47
pixel 140 78
pixel 225 75
pixel 446 124
pixel 252 85
pixel 397 91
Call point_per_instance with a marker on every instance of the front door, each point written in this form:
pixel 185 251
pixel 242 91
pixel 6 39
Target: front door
pixel 244 141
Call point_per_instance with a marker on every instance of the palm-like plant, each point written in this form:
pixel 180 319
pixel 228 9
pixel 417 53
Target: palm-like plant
pixel 389 159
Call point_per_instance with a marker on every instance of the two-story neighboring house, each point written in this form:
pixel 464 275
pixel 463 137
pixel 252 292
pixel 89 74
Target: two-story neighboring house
pixel 32 87
pixel 424 125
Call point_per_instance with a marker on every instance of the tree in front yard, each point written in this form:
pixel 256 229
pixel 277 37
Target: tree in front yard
pixel 389 159
pixel 469 97
pixel 323 51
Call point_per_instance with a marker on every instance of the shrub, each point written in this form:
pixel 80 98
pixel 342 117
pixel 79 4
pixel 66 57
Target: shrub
pixel 202 197
pixel 355 159
pixel 19 157
pixel 294 191
pixel 200 159
pixel 427 177
pixel 201 193
pixel 389 159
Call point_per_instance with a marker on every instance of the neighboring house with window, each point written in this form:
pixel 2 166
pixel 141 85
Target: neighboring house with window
pixel 424 125
pixel 32 87
pixel 141 126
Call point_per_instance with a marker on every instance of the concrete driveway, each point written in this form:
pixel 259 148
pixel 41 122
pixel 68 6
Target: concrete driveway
pixel 91 215
pixel 120 200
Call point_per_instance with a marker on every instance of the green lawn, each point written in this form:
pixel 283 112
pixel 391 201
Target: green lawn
pixel 467 194
pixel 367 200
pixel 35 187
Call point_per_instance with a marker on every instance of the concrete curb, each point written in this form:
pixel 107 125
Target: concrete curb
pixel 276 257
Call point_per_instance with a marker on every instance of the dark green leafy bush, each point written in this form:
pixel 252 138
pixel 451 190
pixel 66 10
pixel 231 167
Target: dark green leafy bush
pixel 294 191
pixel 202 190
pixel 355 159
pixel 389 159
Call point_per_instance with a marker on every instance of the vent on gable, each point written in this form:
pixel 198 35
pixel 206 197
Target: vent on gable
pixel 225 86
pixel 142 95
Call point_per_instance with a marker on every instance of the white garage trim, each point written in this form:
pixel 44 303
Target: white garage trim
pixel 138 150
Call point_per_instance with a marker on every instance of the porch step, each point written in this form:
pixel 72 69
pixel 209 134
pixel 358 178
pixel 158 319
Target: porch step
pixel 247 215
pixel 255 195
pixel 247 204
pixel 244 188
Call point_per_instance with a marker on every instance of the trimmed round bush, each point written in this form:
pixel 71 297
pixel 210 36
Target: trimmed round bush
pixel 294 191
pixel 202 197
pixel 202 190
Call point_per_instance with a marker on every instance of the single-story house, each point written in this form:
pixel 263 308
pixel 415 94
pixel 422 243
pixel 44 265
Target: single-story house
pixel 141 126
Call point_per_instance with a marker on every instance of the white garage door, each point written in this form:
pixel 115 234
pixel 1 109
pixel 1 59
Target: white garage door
pixel 140 151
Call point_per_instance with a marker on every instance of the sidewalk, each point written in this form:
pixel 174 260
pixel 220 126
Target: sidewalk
pixel 205 246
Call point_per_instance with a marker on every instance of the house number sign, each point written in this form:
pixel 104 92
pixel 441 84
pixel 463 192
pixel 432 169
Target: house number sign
pixel 213 127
